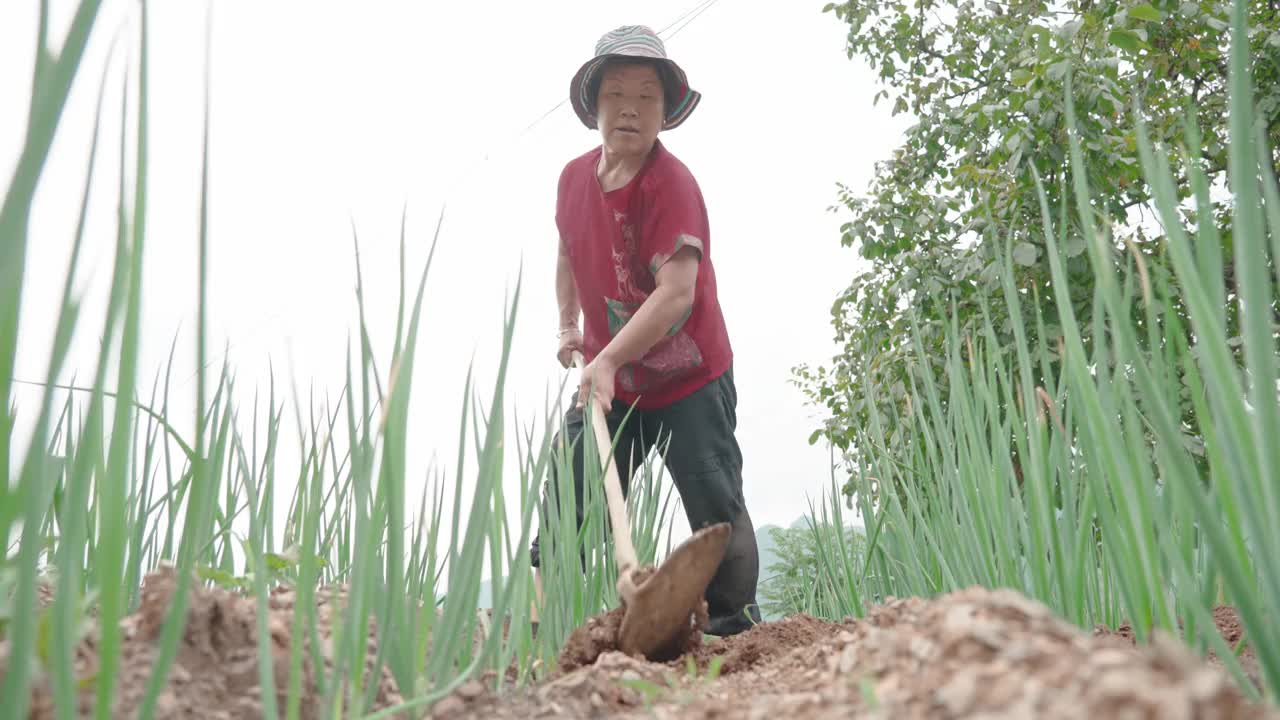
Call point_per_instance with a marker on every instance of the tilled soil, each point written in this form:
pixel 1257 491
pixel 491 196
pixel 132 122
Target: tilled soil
pixel 1229 627
pixel 975 653
pixel 215 673
pixel 599 634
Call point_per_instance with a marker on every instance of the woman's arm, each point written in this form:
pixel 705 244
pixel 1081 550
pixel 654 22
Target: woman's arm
pixel 668 305
pixel 566 292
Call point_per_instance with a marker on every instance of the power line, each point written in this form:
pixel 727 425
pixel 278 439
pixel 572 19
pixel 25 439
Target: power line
pixel 697 8
pixel 695 11
pixel 683 21
pixel 704 8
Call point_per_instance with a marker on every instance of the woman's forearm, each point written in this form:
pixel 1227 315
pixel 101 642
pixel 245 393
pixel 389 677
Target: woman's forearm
pixel 667 306
pixel 567 294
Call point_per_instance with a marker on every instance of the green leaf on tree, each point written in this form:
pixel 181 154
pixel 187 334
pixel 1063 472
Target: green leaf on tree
pixel 1126 40
pixel 1145 12
pixel 1024 253
pixel 975 147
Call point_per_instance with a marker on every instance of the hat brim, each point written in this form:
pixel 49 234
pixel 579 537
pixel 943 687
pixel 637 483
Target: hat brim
pixel 685 99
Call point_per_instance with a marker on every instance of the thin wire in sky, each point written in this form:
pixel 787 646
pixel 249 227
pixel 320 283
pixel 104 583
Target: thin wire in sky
pixel 699 9
pixel 705 7
pixel 683 21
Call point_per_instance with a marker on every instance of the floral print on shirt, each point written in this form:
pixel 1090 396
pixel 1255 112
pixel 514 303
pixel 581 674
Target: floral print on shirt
pixel 673 357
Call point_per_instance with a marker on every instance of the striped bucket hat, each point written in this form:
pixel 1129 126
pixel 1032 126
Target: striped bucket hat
pixel 633 41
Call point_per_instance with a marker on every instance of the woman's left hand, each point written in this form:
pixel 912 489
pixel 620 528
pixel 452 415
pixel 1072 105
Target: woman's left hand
pixel 599 373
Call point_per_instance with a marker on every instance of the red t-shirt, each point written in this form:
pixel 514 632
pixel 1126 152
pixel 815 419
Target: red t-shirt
pixel 616 242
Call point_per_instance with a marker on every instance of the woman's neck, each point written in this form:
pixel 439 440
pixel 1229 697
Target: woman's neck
pixel 615 170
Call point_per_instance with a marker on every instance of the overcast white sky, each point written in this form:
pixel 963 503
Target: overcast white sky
pixel 325 114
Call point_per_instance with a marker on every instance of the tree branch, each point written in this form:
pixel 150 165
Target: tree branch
pixel 984 84
pixel 1196 86
pixel 930 52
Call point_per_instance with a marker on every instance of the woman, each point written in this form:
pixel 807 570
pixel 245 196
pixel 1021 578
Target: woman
pixel 635 264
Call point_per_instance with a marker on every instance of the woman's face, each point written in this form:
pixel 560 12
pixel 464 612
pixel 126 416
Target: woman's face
pixel 629 108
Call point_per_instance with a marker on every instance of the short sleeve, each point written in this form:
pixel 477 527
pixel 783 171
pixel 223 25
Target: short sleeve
pixel 561 209
pixel 676 217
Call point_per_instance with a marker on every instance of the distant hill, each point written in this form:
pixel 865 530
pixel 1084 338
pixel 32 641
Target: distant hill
pixel 768 556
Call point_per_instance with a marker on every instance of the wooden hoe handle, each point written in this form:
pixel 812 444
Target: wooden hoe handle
pixel 623 549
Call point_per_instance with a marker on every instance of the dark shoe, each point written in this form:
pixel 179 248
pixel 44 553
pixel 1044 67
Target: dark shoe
pixel 739 622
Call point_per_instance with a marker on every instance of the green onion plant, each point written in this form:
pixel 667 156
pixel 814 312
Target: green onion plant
pixel 1109 515
pixel 112 485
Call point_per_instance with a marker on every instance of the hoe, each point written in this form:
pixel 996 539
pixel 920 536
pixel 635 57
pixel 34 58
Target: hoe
pixel 659 603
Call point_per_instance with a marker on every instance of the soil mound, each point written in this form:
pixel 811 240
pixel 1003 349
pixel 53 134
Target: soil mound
pixel 215 672
pixel 1227 620
pixel 761 643
pixel 973 653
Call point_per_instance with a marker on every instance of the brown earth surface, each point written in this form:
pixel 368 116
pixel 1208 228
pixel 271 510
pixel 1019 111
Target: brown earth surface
pixel 974 653
pixel 215 672
pixel 1229 627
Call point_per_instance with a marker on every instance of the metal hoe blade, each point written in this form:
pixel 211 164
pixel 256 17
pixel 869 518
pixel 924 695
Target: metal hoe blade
pixel 658 610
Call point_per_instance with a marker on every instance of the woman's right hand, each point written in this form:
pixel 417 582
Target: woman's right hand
pixel 570 340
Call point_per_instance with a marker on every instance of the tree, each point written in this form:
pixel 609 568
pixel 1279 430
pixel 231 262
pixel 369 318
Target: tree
pixel 798 582
pixel 987 83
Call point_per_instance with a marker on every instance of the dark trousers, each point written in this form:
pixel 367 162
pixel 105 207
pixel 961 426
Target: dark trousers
pixel 705 462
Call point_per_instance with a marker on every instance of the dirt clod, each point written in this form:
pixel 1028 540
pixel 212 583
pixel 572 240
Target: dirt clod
pixel 451 706
pixel 471 690
pixel 598 635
